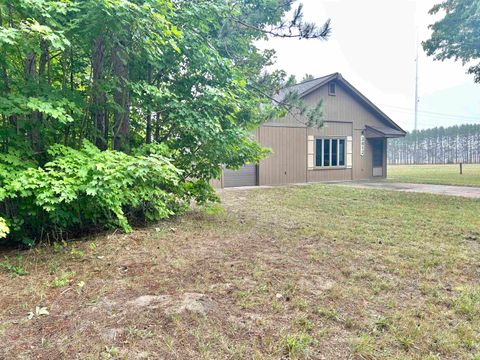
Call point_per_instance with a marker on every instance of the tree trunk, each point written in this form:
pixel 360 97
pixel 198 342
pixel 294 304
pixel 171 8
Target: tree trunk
pixel 99 98
pixel 148 135
pixel 156 136
pixel 121 97
pixel 44 58
pixel 30 71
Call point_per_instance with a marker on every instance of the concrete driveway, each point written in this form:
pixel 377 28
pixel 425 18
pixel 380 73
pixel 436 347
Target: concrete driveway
pixel 465 191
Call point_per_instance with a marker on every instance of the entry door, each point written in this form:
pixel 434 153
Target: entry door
pixel 377 153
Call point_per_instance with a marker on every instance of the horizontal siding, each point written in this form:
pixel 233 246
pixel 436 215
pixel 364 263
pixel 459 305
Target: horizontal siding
pixel 245 176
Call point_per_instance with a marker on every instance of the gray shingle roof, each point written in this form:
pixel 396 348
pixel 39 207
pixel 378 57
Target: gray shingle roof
pixel 301 88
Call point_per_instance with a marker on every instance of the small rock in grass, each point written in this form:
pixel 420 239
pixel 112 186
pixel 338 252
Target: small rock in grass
pixel 472 236
pixel 191 302
pixel 223 287
pixel 112 334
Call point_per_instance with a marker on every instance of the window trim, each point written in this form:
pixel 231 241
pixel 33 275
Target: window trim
pixel 334 92
pixel 330 138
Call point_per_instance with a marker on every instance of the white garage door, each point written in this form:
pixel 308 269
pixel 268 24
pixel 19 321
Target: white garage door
pixel 245 176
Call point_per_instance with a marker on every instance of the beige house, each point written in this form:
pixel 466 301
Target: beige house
pixel 351 145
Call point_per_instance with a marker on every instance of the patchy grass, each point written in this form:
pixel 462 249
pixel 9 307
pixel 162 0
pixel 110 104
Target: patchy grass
pixel 301 272
pixel 436 174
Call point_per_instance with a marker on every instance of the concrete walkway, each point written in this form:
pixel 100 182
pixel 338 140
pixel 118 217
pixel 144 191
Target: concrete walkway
pixel 465 191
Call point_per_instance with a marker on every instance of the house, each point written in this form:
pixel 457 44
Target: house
pixel 351 144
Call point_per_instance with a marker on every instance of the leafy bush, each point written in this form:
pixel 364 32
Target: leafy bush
pixel 10 267
pixel 81 189
pixel 4 230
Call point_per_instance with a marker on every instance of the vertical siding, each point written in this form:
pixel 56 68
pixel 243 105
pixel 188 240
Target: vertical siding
pixel 288 161
pixel 344 116
pixel 362 165
pixel 344 107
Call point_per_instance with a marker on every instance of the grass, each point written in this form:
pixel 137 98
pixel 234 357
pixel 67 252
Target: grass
pixel 436 174
pixel 297 273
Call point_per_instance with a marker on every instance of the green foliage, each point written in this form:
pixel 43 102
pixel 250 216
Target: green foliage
pixel 64 279
pixel 77 189
pixel 307 77
pixel 16 269
pixel 4 230
pixel 456 35
pixel 313 115
pixel 297 344
pixel 214 209
pixel 169 91
pixel 467 302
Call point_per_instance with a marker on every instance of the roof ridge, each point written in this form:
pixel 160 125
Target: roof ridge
pixel 307 81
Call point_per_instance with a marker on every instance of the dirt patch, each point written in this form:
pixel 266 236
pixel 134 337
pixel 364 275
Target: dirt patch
pixel 171 305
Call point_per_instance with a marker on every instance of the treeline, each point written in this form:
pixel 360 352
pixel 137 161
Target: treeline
pixel 440 145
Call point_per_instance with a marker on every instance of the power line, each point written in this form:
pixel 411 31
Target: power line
pixel 439 118
pixel 437 114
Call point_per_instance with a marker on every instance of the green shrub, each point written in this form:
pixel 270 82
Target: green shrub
pixel 80 189
pixel 4 230
pixel 16 270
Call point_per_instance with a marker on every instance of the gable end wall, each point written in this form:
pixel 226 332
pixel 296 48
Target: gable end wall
pixel 344 116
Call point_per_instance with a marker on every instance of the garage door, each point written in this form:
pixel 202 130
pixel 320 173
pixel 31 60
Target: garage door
pixel 245 176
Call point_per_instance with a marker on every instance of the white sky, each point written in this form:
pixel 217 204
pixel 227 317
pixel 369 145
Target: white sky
pixel 373 45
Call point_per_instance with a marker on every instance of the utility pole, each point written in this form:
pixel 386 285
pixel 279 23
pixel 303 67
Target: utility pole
pixel 416 92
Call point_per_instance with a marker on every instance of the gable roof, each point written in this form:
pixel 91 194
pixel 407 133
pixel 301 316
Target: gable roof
pixel 302 88
pixel 305 88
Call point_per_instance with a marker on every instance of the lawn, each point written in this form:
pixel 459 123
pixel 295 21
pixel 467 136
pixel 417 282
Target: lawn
pixel 314 272
pixel 436 174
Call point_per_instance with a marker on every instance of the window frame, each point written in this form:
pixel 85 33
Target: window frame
pixel 334 92
pixel 330 138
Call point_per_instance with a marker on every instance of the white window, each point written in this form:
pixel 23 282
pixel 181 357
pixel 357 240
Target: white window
pixel 330 152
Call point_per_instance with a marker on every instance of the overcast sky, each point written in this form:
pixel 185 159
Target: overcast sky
pixel 373 45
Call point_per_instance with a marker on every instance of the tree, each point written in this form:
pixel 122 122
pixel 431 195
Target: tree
pixel 178 79
pixel 307 77
pixel 456 36
pixel 454 144
pixel 292 80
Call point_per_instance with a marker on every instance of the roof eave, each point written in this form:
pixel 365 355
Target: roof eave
pixel 385 134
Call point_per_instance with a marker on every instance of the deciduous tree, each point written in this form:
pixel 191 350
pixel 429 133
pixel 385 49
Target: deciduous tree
pixel 457 35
